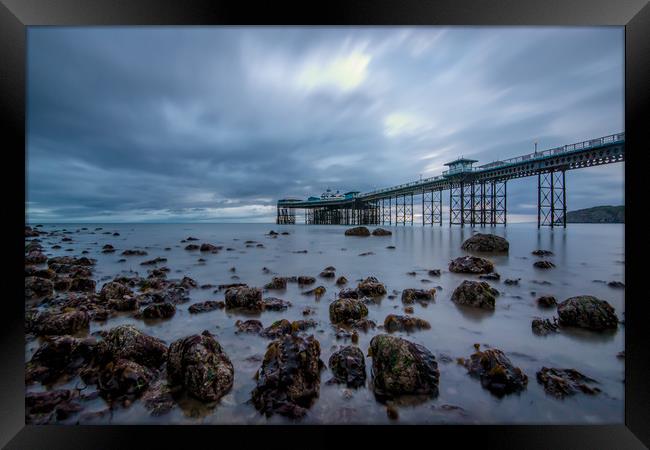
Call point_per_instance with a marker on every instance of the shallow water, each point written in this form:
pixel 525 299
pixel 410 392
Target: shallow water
pixel 582 253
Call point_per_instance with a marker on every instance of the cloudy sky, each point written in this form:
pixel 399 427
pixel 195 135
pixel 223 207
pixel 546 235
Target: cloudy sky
pixel 215 124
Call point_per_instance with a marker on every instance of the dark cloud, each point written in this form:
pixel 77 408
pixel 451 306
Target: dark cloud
pixel 174 124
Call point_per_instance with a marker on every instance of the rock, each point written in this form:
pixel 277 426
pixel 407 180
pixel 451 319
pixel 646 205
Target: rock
pixel 345 310
pixel 159 311
pixel 154 261
pixel 273 233
pixel 348 367
pixel 410 296
pixel 565 382
pixel 123 378
pixel 348 293
pixel 543 264
pixel 127 342
pixel 588 312
pixel 542 253
pixel 394 322
pixel 289 379
pixel 381 232
pixel 277 283
pixel 542 327
pixel 486 243
pixel 276 304
pixel 205 247
pixel 547 301
pixel 50 406
pixel 57 356
pixel 134 253
pixel 191 247
pixel 471 264
pixel 357 231
pixel 477 294
pixel 434 272
pixel 126 303
pixel 37 287
pixel 244 297
pixel 616 284
pixel 371 287
pixel 82 285
pixel 249 326
pixel 48 324
pixel 306 280
pixel 303 325
pixel 512 281
pixel 277 329
pixel 188 283
pixel 115 290
pixel 341 280
pixel 35 257
pixel 209 305
pixel 496 372
pixel 158 398
pixel 492 276
pixel 402 367
pixel 317 291
pixel 200 365
pixel 327 274
pixel 413 273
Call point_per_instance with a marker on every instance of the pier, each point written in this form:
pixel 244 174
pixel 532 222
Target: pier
pixel 477 194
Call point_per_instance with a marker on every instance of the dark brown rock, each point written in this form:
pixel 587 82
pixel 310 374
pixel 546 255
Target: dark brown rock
pixel 394 322
pixel 244 297
pixel 357 231
pixel 496 372
pixel 471 264
pixel 588 312
pixel 348 367
pixel 486 243
pixel 561 383
pixel 410 296
pixel 477 294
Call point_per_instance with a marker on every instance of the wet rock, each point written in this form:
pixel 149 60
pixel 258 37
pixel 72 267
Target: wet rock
pixel 191 247
pixel 273 233
pixel 123 378
pixel 616 284
pixel 413 273
pixel 231 285
pixel 134 253
pixel 561 383
pixel 37 287
pixel 381 232
pixel 115 290
pixel 542 253
pixel 496 372
pixel 341 280
pixel 191 238
pixel 50 406
pixel 201 366
pixel 244 297
pixel 154 261
pixel 345 310
pixel 588 312
pixel 542 327
pixel 35 257
pixel 486 243
pixel 410 296
pixel 303 325
pixel 477 294
pixel 547 301
pixel 402 367
pixel 82 285
pixel 394 322
pixel 209 305
pixel 348 367
pixel 471 264
pixel 108 248
pixel 205 247
pixel 317 291
pixel 276 304
pixel 43 273
pixel 127 342
pixel 249 326
pixel 371 287
pixel 126 303
pixel 492 276
pixel 391 247
pixel 57 324
pixel 277 329
pixel 357 231
pixel 544 264
pixel 58 356
pixel 306 280
pixel 434 272
pixel 159 311
pixel 512 281
pixel 158 398
pixel 289 379
pixel 277 283
pixel 348 293
pixel 327 274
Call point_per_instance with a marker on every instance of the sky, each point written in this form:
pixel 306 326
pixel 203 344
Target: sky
pixel 215 124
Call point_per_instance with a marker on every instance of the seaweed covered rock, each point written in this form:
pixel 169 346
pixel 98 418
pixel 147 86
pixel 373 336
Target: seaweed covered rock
pixel 381 232
pixel 57 324
pixel 402 367
pixel 289 379
pixel 345 310
pixel 542 327
pixel 357 231
pixel 124 378
pixel 201 366
pixel 410 296
pixel 371 287
pixel 348 367
pixel 50 406
pixel 127 342
pixel 547 301
pixel 82 285
pixel 113 289
pixel 276 304
pixel 37 287
pixel 277 329
pixel 586 311
pixel 303 279
pixel 477 294
pixel 394 322
pixel 126 303
pixel 561 383
pixel 341 280
pixel 249 326
pixel 35 257
pixel 348 293
pixel 496 372
pixel 277 283
pixel 327 273
pixel 205 247
pixel 208 305
pixel 471 264
pixel 317 292
pixel 542 252
pixel 486 243
pixel 244 297
pixel 57 356
pixel 159 311
pixel 543 264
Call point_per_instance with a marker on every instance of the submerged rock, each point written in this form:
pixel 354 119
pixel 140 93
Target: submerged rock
pixel 492 276
pixel 542 327
pixel 402 367
pixel 346 310
pixel 477 294
pixel 547 301
pixel 306 280
pixel 201 366
pixel 249 326
pixel 588 312
pixel 357 231
pixel 159 311
pixel 381 232
pixel 410 296
pixel 496 372
pixel 394 322
pixel 486 243
pixel 205 247
pixel 348 367
pixel 317 291
pixel 134 253
pixel 289 378
pixel 277 283
pixel 542 252
pixel 276 304
pixel 277 329
pixel 371 287
pixel 471 264
pixel 208 305
pixel 244 297
pixel 564 382
pixel 341 280
pixel 543 264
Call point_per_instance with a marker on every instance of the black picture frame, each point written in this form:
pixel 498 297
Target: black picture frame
pixel 16 15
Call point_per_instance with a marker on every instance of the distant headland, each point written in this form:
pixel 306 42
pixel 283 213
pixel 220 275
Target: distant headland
pixel 597 214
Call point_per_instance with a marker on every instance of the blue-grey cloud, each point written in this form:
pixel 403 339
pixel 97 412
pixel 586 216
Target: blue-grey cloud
pixel 174 124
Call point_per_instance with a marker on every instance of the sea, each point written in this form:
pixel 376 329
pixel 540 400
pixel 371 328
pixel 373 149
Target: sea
pixel 586 258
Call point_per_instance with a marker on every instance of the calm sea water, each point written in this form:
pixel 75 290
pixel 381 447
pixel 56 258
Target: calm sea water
pixel 582 253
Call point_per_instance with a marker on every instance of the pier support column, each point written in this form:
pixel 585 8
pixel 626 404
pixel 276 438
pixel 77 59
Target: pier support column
pixel 468 204
pixel 286 216
pixel 456 204
pixel 551 199
pixel 431 207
